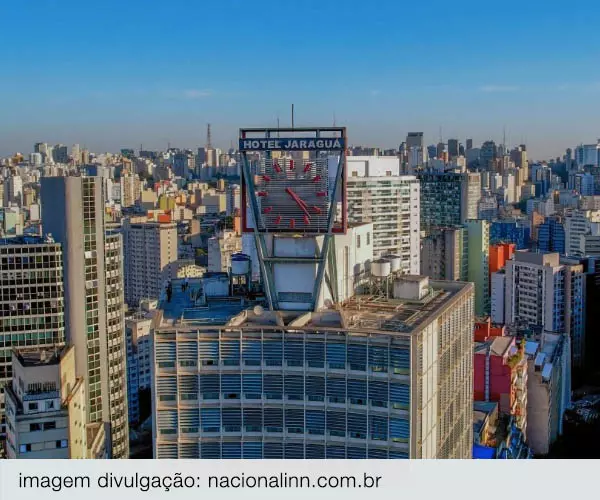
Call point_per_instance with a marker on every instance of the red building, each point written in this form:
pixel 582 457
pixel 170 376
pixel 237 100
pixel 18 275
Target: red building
pixel 484 329
pixel 500 375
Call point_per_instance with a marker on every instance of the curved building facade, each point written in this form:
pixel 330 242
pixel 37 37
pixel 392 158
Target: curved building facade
pixel 387 379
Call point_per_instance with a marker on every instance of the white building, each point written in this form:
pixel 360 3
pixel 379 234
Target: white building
pixel 577 224
pixel 138 337
pixel 373 166
pixel 220 249
pixel 233 198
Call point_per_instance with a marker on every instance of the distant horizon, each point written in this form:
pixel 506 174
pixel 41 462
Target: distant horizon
pixel 132 74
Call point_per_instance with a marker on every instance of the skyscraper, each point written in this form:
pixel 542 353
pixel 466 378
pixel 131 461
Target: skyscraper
pixel 446 199
pixel 453 150
pixel 150 250
pixel 73 212
pixel 444 254
pixel 478 232
pixel 31 300
pixel 392 204
pixel 414 140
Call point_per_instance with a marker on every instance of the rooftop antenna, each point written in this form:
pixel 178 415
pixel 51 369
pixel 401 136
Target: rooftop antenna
pixel 292 116
pixel 441 140
pixel 208 137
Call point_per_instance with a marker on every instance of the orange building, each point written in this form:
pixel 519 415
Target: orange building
pixel 499 254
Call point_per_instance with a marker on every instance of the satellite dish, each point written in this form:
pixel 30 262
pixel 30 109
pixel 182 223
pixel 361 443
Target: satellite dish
pixel 258 310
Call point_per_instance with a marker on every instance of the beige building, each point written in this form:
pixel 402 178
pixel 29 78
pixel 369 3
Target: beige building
pixel 220 250
pixel 73 212
pixel 131 189
pixel 150 250
pixel 46 409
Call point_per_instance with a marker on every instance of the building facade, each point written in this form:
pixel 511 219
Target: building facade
pixel 392 205
pixel 31 301
pixel 444 254
pixel 150 254
pixel 73 212
pixel 249 387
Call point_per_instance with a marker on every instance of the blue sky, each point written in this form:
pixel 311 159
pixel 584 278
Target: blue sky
pixel 112 74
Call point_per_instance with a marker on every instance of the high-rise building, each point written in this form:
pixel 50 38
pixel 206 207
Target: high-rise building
pixel 551 235
pixel 414 140
pixel 473 194
pixel 45 408
pixel 392 204
pixel 548 389
pixel 150 250
pixel 488 154
pixel 131 189
pixel 445 199
pixel 234 384
pixel 233 199
pixel 73 212
pixel 13 191
pixel 453 150
pixel 60 154
pixel 542 292
pixel 444 254
pixel 31 301
pixel 578 223
pixel 469 144
pixel 138 336
pixel 478 232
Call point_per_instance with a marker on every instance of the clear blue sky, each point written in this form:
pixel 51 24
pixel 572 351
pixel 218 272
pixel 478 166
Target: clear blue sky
pixel 117 73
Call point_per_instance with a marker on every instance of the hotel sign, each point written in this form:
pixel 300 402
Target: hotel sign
pixel 293 144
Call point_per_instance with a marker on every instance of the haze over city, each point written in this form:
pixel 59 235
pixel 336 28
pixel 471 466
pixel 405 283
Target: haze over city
pixel 121 74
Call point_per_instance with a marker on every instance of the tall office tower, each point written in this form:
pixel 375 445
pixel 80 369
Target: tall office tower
pixel 60 154
pixel 551 235
pixel 231 384
pixel 444 254
pixel 488 155
pixel 487 208
pixel 131 188
pixel 233 199
pixel 392 205
pixel 45 407
pixel 478 245
pixel 453 149
pixel 73 212
pixel 150 250
pixel 586 155
pixel 414 140
pixel 569 163
pixel 445 199
pixel 31 301
pixel 469 144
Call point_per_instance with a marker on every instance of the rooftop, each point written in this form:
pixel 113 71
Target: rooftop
pixel 364 312
pixel 28 240
pixel 199 301
pixel 481 412
pixel 38 357
pixel 498 346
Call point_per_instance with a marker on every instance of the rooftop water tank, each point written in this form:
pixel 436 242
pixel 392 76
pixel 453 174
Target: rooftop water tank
pixel 395 262
pixel 240 264
pixel 381 268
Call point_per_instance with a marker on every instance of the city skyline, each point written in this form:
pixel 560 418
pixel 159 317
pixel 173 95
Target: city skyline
pixel 428 70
